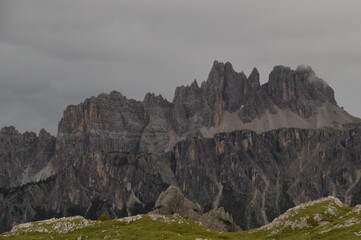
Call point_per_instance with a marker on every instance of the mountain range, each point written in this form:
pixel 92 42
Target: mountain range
pixel 254 150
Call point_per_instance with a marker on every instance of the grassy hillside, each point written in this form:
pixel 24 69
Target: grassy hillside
pixel 326 218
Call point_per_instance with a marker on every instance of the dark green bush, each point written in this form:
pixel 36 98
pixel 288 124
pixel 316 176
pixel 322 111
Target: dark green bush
pixel 103 218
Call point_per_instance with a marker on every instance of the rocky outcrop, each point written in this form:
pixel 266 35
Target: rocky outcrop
pixel 173 201
pixel 219 220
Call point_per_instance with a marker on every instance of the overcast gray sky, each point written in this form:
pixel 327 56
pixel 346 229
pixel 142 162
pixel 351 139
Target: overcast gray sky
pixel 56 53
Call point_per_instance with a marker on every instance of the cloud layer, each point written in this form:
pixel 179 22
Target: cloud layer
pixel 56 53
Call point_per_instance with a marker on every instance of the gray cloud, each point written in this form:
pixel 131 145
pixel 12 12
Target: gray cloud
pixel 56 53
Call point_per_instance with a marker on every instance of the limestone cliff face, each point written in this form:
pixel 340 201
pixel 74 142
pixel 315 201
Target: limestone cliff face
pixel 257 177
pixel 103 123
pixel 158 133
pixel 24 157
pixel 112 183
pixel 254 177
pixel 115 155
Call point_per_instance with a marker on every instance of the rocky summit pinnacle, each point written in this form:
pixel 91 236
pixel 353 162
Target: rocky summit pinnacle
pixel 226 143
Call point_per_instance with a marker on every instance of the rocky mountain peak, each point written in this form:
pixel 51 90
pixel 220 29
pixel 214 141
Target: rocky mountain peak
pixel 225 90
pixel 286 85
pixel 253 78
pixel 281 80
pixel 43 134
pixel 305 69
pixel 195 84
pixel 221 72
pixel 218 69
pixel 8 130
pixel 151 98
pixel 298 87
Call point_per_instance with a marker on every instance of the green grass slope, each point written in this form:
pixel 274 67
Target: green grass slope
pixel 325 218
